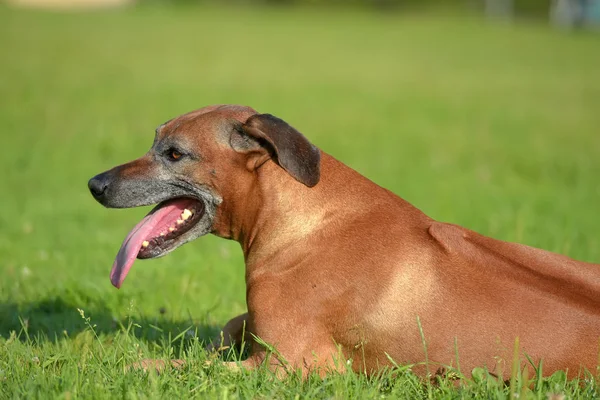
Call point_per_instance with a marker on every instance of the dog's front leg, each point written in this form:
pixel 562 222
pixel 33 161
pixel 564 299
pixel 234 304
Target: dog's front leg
pixel 232 334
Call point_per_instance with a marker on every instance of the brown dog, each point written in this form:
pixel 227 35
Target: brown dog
pixel 340 271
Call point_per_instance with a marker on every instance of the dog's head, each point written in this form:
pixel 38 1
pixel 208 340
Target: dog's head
pixel 197 164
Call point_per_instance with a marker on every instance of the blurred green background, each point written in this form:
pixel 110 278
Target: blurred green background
pixel 488 124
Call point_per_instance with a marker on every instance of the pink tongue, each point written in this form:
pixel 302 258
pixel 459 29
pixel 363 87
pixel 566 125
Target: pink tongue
pixel 149 227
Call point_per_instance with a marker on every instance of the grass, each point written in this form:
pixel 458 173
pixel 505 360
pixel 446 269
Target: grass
pixel 494 127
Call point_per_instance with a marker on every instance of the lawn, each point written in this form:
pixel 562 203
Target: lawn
pixel 492 126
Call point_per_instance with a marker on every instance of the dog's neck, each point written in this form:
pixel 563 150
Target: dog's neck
pixel 279 210
pixel 273 212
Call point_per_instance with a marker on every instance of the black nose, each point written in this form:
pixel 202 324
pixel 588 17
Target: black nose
pixel 98 185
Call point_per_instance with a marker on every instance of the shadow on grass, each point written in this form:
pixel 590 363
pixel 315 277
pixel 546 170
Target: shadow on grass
pixel 54 318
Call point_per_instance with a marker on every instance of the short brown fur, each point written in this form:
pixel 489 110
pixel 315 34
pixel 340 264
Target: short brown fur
pixel 344 269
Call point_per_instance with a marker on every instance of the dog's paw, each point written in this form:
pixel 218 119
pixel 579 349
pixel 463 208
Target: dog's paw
pixel 156 365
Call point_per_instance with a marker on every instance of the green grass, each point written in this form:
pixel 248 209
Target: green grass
pixel 493 127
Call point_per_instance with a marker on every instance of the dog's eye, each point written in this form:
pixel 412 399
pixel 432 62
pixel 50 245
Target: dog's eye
pixel 174 155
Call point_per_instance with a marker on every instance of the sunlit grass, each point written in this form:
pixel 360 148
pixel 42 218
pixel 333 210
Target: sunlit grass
pixel 494 127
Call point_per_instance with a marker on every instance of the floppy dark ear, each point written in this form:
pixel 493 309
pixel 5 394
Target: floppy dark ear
pixel 292 151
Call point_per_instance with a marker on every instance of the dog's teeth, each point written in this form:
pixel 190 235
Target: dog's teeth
pixel 162 234
pixel 186 214
pixel 171 229
pixel 179 222
pixel 145 243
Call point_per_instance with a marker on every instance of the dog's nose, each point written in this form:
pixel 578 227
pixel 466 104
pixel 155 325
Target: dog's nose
pixel 98 185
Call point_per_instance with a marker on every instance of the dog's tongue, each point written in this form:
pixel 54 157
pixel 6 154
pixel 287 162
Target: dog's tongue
pixel 157 221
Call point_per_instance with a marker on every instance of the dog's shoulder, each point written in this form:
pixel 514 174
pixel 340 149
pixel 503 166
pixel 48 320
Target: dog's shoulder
pixel 530 265
pixel 449 237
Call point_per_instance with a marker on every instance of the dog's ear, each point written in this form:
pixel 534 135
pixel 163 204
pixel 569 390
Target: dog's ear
pixel 284 144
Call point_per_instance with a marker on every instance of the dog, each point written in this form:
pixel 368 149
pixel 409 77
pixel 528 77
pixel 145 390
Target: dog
pixel 341 273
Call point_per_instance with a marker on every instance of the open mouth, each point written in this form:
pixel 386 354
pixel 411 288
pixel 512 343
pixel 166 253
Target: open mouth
pixel 159 232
